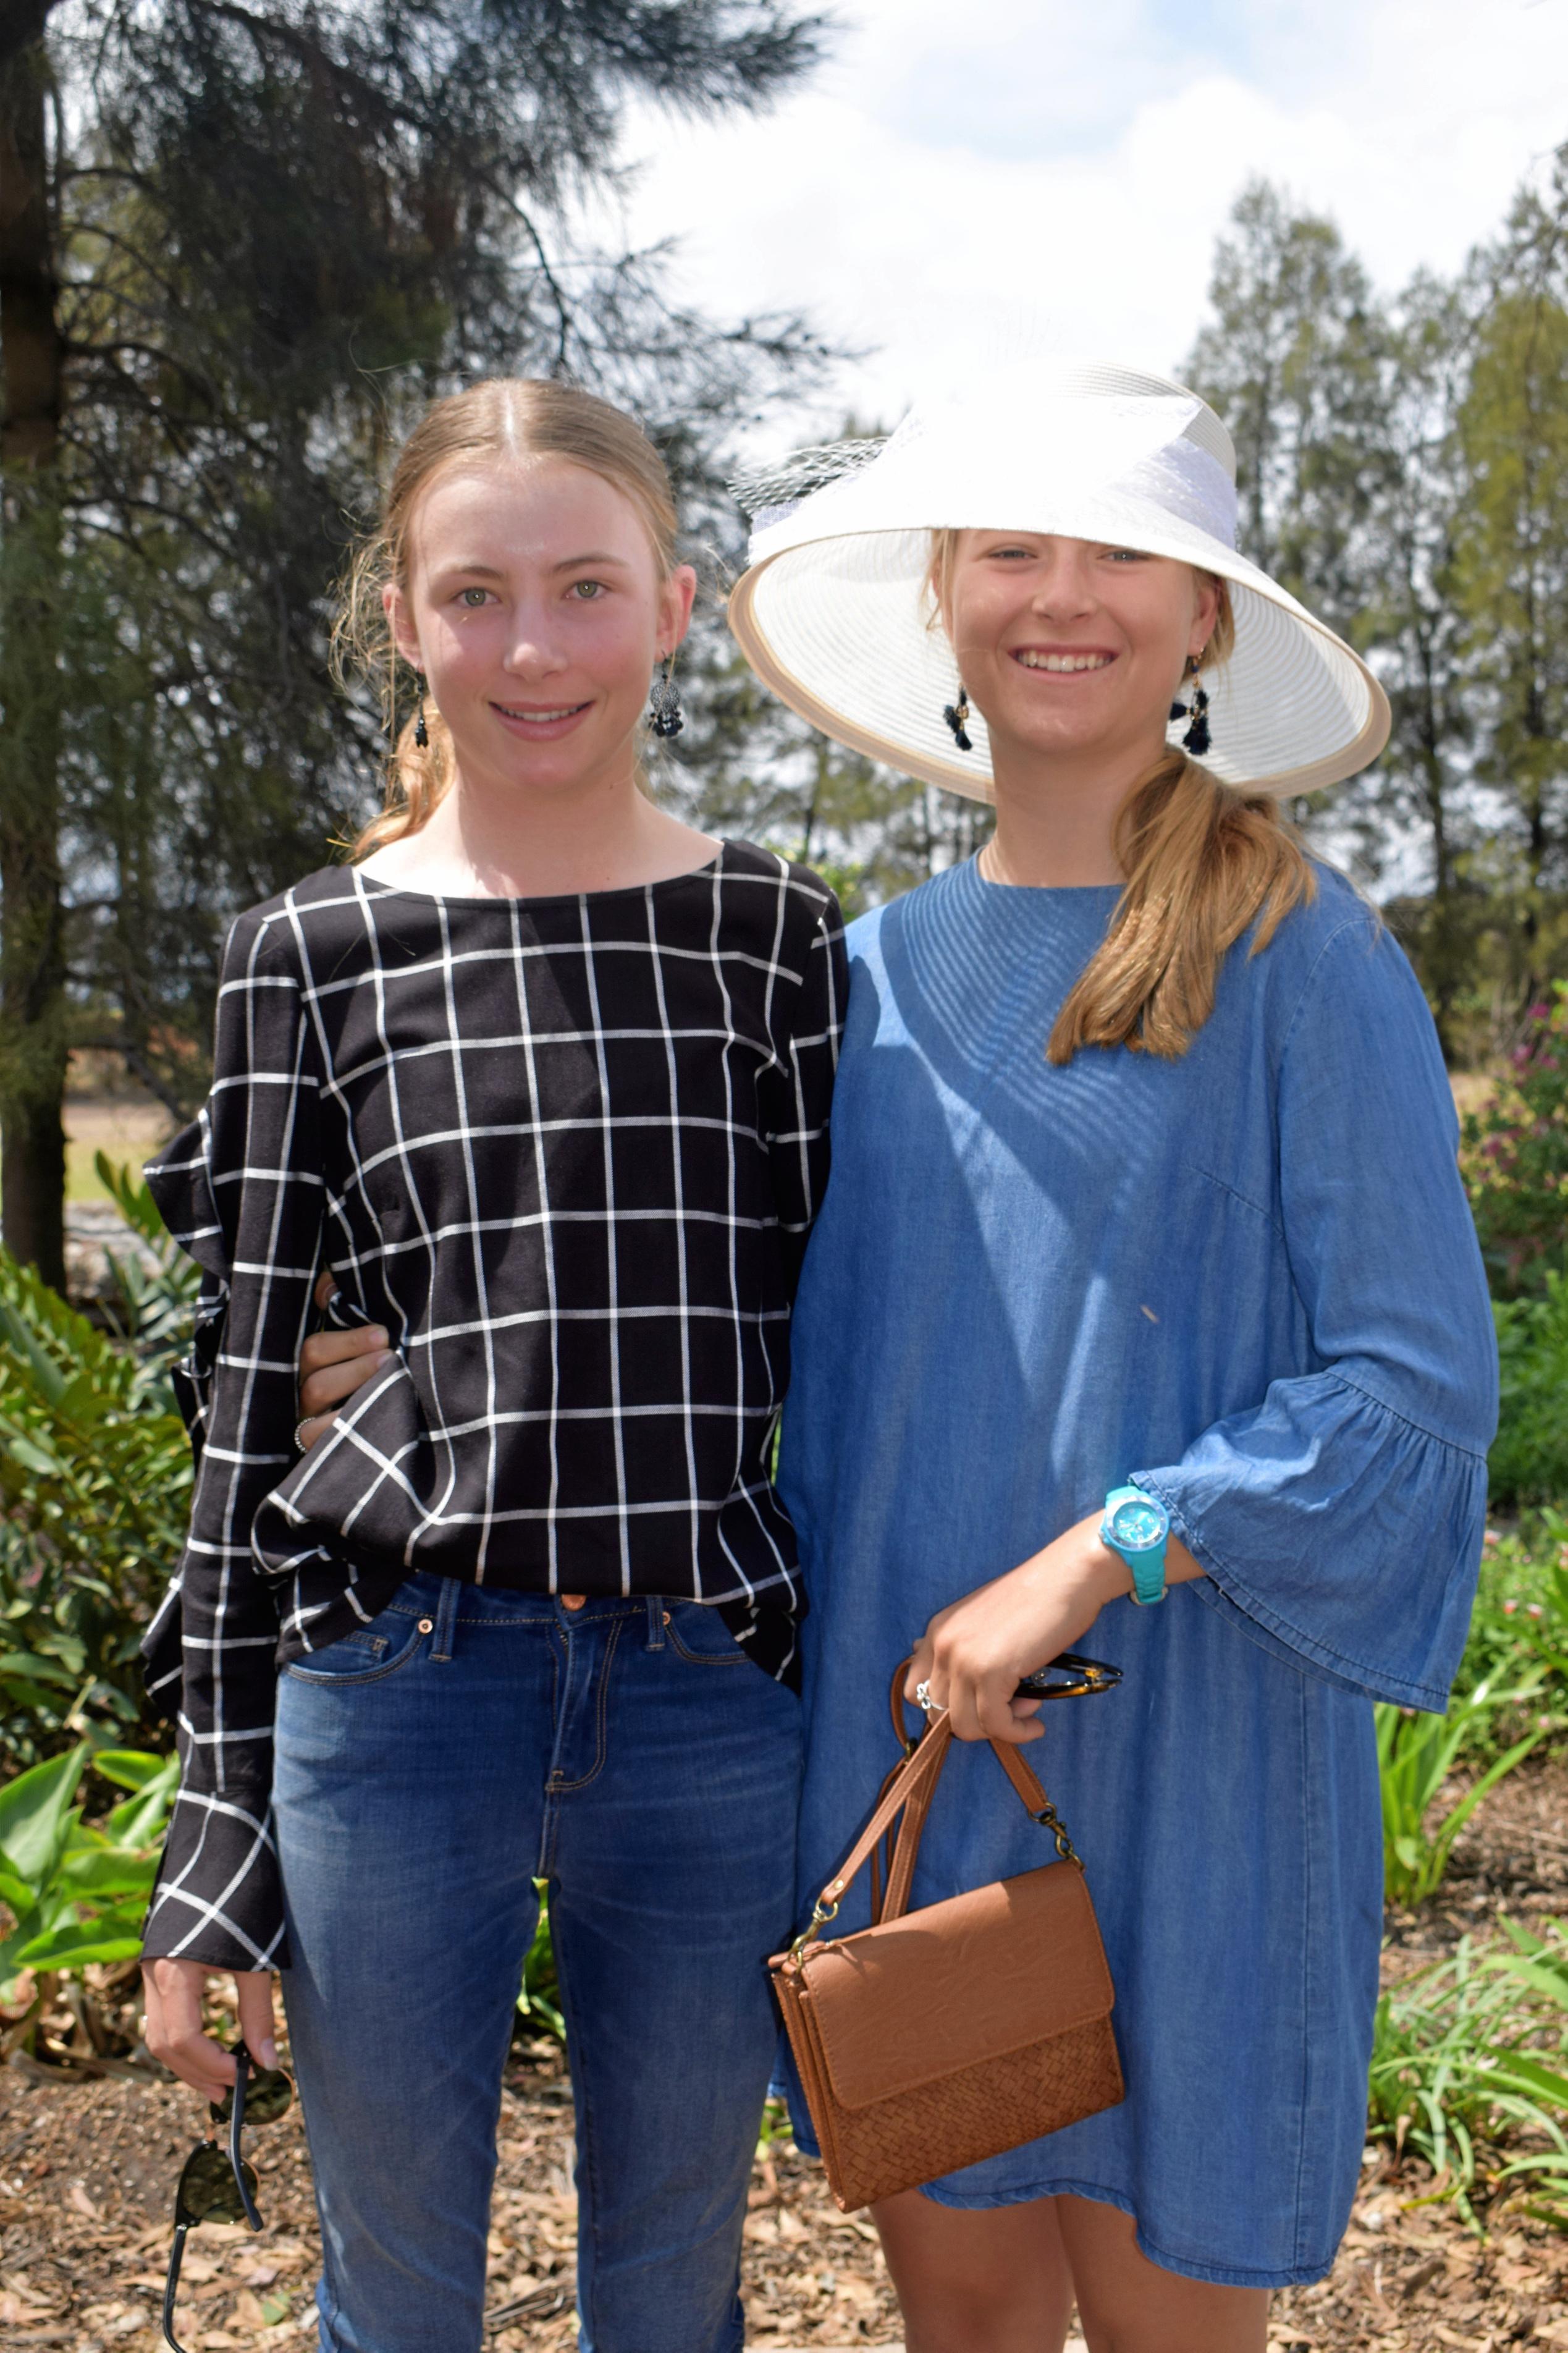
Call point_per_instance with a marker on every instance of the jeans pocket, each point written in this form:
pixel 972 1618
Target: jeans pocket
pixel 368 1653
pixel 699 1633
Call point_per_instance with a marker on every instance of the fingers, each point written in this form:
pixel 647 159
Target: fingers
pixel 326 1288
pixel 321 1391
pixel 253 1989
pixel 174 1992
pixel 335 1348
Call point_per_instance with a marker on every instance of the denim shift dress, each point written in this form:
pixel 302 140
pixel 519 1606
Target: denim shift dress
pixel 1248 1281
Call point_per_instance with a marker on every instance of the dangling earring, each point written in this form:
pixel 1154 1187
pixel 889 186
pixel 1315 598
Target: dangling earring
pixel 957 717
pixel 1197 739
pixel 421 733
pixel 664 705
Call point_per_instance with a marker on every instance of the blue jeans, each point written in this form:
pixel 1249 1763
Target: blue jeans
pixel 429 1768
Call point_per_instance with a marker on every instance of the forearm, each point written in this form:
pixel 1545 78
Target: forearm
pixel 973 1655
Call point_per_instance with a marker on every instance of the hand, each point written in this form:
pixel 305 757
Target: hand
pixel 172 1992
pixel 332 1364
pixel 975 1652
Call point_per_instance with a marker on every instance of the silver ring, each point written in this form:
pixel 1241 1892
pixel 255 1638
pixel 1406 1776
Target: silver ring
pixel 302 1445
pixel 923 1698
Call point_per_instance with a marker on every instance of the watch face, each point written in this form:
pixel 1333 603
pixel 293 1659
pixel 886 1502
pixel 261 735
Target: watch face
pixel 1139 1527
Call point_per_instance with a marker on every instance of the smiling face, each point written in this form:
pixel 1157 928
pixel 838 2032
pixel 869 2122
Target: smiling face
pixel 1072 649
pixel 537 609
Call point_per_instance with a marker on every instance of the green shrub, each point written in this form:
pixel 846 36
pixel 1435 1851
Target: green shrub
pixel 1416 1754
pixel 75 1895
pixel 95 1477
pixel 1528 1461
pixel 1514 1155
pixel 1467 2070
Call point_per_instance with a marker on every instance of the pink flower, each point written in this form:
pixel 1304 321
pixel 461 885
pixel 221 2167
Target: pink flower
pixel 1534 1609
pixel 1509 1608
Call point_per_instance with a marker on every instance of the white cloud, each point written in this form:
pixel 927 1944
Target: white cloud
pixel 949 172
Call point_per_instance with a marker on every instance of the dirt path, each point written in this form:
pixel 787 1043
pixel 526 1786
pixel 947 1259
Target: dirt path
pixel 86 2173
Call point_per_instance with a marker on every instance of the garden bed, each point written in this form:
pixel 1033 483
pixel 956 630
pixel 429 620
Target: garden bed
pixel 87 2172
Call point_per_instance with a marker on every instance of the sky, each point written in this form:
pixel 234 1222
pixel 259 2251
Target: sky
pixel 965 177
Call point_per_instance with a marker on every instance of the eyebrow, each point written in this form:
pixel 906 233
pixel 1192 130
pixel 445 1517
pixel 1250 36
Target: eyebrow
pixel 567 563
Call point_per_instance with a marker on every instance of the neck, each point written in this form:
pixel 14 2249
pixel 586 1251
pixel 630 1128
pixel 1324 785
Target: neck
pixel 1056 816
pixel 602 835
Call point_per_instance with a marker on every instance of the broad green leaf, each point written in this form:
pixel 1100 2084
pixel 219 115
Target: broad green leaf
pixel 111 1871
pixel 129 1768
pixel 108 1939
pixel 35 1815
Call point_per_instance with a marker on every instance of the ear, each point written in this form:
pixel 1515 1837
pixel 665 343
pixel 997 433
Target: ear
pixel 405 636
pixel 676 598
pixel 1206 610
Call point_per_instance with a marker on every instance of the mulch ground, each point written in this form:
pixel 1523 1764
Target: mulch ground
pixel 88 2167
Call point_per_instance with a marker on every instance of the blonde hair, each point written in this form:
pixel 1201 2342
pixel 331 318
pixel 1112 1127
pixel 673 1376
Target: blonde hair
pixel 504 417
pixel 1202 861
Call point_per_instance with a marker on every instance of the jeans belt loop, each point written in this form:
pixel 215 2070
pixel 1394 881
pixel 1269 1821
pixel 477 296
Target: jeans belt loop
pixel 656 1621
pixel 447 1618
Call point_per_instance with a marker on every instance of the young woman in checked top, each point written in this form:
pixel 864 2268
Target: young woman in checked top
pixel 1143 1175
pixel 542 1078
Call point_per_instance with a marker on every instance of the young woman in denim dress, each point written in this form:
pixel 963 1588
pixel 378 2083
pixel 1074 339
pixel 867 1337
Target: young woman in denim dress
pixel 1143 1175
pixel 542 1079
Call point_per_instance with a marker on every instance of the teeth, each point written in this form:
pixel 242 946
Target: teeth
pixel 1064 661
pixel 539 715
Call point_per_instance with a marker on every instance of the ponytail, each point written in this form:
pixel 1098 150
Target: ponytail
pixel 1202 861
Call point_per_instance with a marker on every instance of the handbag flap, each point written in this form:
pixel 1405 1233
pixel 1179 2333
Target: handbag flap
pixel 958 1983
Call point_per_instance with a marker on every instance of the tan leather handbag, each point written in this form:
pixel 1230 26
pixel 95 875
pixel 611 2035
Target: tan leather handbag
pixel 933 2039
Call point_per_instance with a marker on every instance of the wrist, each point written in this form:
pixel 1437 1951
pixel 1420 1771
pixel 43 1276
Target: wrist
pixel 1080 1563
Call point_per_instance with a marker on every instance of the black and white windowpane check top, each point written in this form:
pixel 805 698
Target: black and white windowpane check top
pixel 568 1151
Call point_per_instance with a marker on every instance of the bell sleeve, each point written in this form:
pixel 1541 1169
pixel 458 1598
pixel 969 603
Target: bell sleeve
pixel 1339 1519
pixel 242 1193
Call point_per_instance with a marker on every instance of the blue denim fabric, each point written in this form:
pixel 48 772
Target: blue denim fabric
pixel 641 1764
pixel 1249 1279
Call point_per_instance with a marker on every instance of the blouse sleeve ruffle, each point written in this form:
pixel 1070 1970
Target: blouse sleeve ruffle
pixel 1340 1517
pixel 1336 1533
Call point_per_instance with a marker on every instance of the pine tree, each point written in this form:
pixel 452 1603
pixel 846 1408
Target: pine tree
pixel 238 244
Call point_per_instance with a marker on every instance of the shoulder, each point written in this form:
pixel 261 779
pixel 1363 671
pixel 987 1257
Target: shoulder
pixel 278 935
pixel 1334 964
pixel 765 887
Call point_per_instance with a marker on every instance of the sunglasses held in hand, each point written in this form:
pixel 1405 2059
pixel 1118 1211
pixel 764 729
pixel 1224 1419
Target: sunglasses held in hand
pixel 216 2185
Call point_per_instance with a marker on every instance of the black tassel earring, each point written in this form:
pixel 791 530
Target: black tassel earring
pixel 421 733
pixel 957 717
pixel 1197 738
pixel 665 706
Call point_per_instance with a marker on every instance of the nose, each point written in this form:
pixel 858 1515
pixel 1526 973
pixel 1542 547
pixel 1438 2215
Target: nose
pixel 531 653
pixel 1064 586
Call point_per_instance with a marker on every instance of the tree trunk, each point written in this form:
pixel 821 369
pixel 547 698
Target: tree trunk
pixel 32 950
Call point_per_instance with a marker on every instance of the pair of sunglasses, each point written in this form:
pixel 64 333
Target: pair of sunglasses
pixel 1069 1676
pixel 216 2185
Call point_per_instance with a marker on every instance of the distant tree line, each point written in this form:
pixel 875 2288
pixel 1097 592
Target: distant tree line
pixel 242 240
pixel 1403 469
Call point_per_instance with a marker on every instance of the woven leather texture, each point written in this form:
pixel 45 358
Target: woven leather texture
pixel 977 2111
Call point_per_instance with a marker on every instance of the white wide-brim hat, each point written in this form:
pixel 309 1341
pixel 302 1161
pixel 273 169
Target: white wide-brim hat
pixel 834 613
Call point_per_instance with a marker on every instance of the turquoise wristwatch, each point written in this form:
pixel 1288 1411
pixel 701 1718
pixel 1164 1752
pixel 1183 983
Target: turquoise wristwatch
pixel 1136 1527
